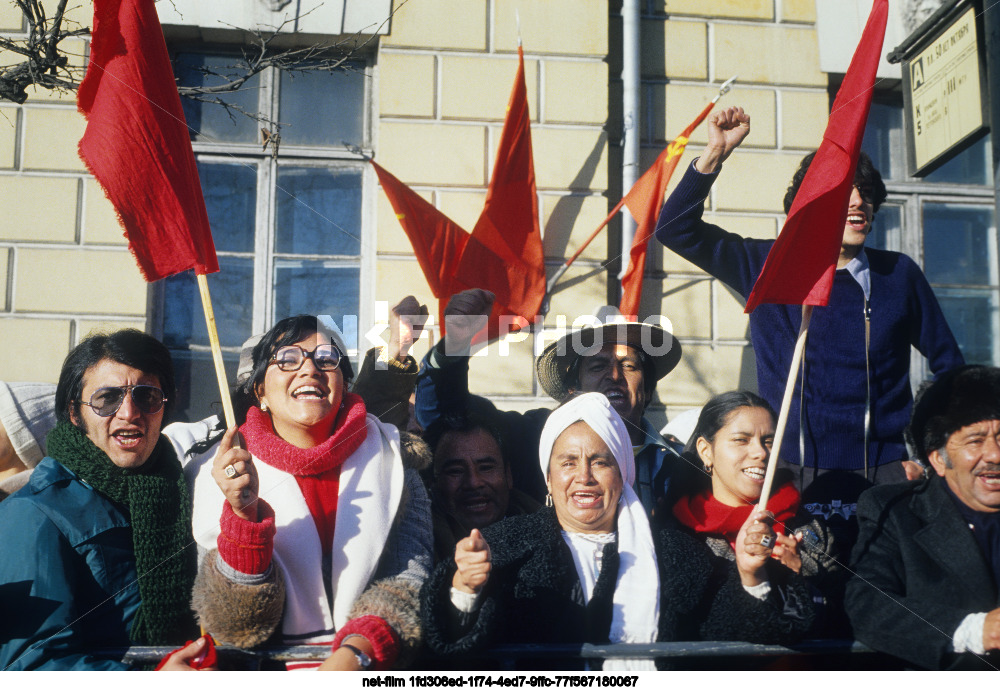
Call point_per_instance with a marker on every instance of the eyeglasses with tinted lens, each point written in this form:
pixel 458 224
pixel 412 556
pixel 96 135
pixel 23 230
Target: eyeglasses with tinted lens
pixel 290 358
pixel 108 399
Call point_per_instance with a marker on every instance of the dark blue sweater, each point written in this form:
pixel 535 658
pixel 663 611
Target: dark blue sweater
pixel 904 312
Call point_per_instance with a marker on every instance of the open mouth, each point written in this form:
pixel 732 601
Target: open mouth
pixel 308 392
pixel 474 505
pixel 755 474
pixel 128 438
pixel 991 479
pixel 587 500
pixel 857 220
pixel 616 396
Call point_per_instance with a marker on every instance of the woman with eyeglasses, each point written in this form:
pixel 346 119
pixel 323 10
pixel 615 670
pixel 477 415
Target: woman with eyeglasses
pixel 319 530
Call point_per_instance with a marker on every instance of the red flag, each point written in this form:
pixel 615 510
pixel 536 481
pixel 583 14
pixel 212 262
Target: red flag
pixel 437 241
pixel 800 266
pixel 137 144
pixel 644 201
pixel 505 254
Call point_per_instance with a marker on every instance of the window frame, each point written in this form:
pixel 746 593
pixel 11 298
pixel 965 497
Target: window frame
pixel 912 194
pixel 266 211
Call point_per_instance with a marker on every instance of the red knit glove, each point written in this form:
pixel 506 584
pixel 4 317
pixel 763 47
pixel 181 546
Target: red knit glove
pixel 385 642
pixel 247 547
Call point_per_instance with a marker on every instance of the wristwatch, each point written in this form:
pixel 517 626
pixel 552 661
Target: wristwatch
pixel 364 662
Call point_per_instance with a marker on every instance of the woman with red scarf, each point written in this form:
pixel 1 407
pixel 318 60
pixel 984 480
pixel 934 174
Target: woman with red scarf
pixel 732 441
pixel 318 533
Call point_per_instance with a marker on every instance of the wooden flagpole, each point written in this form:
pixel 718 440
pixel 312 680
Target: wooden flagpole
pixel 213 339
pixel 786 404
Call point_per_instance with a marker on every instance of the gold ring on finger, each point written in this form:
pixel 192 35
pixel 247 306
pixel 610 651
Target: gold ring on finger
pixel 231 471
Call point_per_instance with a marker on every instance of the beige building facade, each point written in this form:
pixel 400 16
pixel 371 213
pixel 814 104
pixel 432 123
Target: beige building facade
pixel 433 84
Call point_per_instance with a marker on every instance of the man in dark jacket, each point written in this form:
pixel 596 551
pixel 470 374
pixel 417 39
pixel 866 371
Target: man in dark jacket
pixel 98 550
pixel 472 485
pixel 927 560
pixel 622 360
pixel 855 394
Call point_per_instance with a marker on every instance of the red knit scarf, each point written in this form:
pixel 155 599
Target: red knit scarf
pixel 703 513
pixel 316 470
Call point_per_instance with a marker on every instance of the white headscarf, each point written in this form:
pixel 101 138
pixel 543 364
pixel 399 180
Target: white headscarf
pixel 636 600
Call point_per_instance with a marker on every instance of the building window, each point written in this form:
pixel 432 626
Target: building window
pixel 288 220
pixel 946 222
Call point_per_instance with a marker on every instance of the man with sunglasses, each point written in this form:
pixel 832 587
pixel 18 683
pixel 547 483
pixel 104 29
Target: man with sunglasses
pixel 100 552
pixel 856 397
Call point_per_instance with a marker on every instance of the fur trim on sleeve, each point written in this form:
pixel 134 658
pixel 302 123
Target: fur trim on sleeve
pixel 242 615
pixel 397 601
pixel 415 452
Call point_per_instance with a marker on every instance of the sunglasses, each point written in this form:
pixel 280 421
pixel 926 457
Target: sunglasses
pixel 290 358
pixel 107 400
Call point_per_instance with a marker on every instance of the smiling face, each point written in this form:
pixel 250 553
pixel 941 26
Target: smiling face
pixel 970 464
pixel 616 372
pixel 859 221
pixel 584 481
pixel 471 481
pixel 302 404
pixel 129 436
pixel 738 454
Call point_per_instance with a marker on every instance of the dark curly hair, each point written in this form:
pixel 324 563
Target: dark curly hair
pixel 866 178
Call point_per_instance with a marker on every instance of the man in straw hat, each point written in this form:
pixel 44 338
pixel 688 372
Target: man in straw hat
pixel 927 560
pixel 622 360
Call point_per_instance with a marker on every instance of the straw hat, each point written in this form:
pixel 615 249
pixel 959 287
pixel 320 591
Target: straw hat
pixel 609 326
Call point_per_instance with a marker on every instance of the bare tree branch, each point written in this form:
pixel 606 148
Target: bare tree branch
pixel 47 64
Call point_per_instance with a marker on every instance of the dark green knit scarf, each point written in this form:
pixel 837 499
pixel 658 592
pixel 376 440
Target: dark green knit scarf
pixel 155 497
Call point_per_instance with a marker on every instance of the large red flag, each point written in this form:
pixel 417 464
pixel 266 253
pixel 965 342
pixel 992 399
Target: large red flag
pixel 505 253
pixel 800 266
pixel 137 144
pixel 644 201
pixel 437 241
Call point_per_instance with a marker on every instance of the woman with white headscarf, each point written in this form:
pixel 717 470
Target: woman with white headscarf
pixel 587 569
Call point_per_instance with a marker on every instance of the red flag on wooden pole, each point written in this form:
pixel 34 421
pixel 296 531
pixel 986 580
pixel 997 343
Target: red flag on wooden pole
pixel 137 143
pixel 137 146
pixel 800 266
pixel 644 201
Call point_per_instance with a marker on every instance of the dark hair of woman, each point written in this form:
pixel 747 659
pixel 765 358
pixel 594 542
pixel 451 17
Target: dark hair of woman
pixel 130 347
pixel 866 178
pixel 288 331
pixel 714 416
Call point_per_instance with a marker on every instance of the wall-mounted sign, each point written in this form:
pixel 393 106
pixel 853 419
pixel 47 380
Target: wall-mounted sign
pixel 943 90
